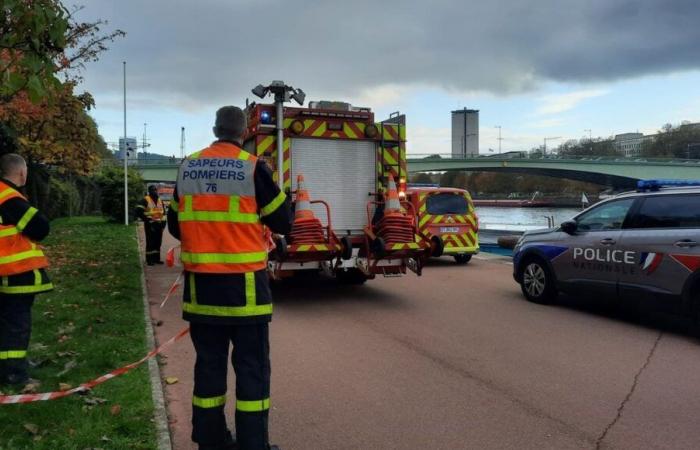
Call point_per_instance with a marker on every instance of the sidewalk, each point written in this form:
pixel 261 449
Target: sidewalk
pixel 179 359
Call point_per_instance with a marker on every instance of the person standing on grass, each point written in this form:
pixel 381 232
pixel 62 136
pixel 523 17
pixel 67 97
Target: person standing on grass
pixel 223 199
pixel 22 269
pixel 152 211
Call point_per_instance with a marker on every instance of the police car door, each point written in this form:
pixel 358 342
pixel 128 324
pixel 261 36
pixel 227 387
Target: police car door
pixel 594 256
pixel 665 238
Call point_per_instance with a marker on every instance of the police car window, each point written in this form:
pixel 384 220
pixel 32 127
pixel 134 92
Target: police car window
pixel 447 203
pixel 609 216
pixel 669 211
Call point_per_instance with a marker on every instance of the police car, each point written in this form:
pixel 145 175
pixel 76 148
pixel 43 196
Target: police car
pixel 638 245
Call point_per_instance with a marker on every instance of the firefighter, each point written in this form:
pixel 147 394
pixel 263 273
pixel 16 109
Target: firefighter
pixel 223 198
pixel 22 269
pixel 152 211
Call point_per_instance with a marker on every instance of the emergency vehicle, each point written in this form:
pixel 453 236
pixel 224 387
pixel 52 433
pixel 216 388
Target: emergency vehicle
pixel 447 215
pixel 347 161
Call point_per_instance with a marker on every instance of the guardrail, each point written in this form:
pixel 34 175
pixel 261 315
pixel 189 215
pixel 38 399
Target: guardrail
pixel 559 158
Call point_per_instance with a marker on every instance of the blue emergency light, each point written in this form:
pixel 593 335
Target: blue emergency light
pixel 655 185
pixel 265 117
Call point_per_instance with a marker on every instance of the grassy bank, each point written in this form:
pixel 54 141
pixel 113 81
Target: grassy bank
pixel 91 324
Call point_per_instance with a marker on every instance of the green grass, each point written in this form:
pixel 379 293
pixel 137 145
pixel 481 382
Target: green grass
pixel 91 324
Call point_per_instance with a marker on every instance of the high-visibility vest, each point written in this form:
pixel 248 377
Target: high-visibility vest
pixel 154 210
pixel 18 253
pixel 220 225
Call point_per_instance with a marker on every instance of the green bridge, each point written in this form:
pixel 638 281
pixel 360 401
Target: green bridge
pixel 609 171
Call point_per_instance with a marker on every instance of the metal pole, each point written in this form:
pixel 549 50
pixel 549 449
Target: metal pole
pixel 465 132
pixel 182 142
pixel 124 155
pixel 279 102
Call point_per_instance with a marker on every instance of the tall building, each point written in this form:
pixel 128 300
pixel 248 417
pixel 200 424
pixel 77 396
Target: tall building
pixel 465 133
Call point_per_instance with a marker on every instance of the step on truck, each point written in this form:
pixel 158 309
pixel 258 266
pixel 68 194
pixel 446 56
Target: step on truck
pixel 346 163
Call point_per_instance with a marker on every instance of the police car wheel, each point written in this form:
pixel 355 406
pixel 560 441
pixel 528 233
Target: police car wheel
pixel 536 282
pixel 462 258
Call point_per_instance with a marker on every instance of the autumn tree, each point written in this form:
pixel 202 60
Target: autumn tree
pixel 682 141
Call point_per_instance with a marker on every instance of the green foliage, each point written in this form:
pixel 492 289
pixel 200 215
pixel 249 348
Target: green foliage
pixel 588 147
pixel 111 183
pixel 90 324
pixel 682 141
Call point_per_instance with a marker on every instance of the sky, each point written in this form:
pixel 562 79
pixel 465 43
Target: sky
pixel 536 68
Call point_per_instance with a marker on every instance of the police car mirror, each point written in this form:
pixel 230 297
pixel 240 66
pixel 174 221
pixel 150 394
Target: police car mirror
pixel 569 227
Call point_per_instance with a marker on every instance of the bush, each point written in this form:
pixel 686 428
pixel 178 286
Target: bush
pixel 111 183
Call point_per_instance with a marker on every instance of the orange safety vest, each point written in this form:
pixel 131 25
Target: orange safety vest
pixel 18 253
pixel 219 220
pixel 156 211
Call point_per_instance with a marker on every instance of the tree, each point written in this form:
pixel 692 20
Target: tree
pixel 111 182
pixel 682 141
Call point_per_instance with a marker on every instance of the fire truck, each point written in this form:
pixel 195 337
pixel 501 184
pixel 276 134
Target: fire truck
pixel 348 162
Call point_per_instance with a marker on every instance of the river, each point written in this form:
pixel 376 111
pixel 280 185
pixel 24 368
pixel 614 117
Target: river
pixel 521 219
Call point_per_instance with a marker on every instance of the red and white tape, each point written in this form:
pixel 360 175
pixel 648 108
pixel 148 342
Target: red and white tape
pixel 29 398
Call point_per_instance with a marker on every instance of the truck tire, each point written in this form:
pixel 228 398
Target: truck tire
pixel 462 258
pixel 351 276
pixel 346 252
pixel 378 247
pixel 281 248
pixel 537 281
pixel 437 246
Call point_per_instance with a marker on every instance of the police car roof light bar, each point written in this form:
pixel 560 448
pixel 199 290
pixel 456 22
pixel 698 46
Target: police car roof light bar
pixel 655 185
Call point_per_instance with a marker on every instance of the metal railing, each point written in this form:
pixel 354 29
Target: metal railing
pixel 558 158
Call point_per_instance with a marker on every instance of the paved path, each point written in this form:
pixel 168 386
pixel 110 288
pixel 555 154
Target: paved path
pixel 457 360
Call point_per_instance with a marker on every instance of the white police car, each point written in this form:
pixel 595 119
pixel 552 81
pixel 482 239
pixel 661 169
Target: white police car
pixel 637 245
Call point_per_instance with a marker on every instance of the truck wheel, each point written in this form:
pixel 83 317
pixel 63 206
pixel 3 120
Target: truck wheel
pixel 351 276
pixel 378 247
pixel 281 248
pixel 346 252
pixel 462 258
pixel 537 282
pixel 437 246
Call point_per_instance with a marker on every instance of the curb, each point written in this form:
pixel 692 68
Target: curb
pixel 160 416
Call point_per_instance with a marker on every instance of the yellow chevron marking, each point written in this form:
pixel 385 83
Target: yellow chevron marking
pixel 287 122
pixel 303 248
pixel 460 219
pixel 389 158
pixel 321 247
pixel 320 130
pixel 265 144
pixel 438 219
pixel 471 220
pixel 347 130
pixel 423 221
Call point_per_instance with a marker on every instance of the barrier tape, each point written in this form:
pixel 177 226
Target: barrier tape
pixel 172 289
pixel 29 398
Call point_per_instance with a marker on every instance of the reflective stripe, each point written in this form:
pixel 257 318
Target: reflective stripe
pixel 13 354
pixel 141 206
pixel 232 215
pixel 20 256
pixel 223 258
pixel 26 289
pixel 9 232
pixel 26 218
pixel 209 402
pixel 174 205
pixel 6 192
pixel 250 309
pixel 253 405
pixel 273 205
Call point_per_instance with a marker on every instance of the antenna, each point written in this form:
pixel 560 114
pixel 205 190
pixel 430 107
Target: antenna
pixel 182 142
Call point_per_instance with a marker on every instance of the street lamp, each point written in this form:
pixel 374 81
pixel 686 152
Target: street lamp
pixel 499 138
pixel 126 173
pixel 282 93
pixel 590 138
pixel 544 152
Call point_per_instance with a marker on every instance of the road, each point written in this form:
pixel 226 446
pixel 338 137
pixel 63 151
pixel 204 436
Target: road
pixel 456 359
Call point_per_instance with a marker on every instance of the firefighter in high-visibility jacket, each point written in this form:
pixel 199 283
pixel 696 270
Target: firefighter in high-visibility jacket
pixel 22 269
pixel 152 211
pixel 223 199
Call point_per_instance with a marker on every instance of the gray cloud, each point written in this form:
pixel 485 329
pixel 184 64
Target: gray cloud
pixel 189 54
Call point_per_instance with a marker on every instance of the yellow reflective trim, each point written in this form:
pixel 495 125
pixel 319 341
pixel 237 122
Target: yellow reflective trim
pixel 253 405
pixel 37 277
pixel 13 354
pixel 5 281
pixel 6 192
pixel 193 291
pixel 26 289
pixel 250 292
pixel 273 205
pixel 232 215
pixel 223 258
pixel 460 219
pixel 26 218
pixel 423 221
pixel 227 311
pixel 188 203
pixel 20 256
pixel 141 206
pixel 209 402
pixel 9 232
pixel 244 156
pixel 174 204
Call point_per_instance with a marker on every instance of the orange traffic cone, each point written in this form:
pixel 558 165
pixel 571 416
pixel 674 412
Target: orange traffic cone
pixel 306 229
pixel 396 226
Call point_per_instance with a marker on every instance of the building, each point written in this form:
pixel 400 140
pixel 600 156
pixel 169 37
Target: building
pixel 629 144
pixel 465 133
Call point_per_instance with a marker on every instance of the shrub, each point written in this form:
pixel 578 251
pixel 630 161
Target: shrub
pixel 111 182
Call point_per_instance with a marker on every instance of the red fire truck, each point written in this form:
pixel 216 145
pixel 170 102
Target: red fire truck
pixel 347 160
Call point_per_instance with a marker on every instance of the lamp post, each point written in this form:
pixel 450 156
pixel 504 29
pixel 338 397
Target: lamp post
pixel 124 155
pixel 590 139
pixel 499 138
pixel 544 152
pixel 283 93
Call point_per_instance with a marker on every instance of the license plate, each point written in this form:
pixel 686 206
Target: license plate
pixel 449 229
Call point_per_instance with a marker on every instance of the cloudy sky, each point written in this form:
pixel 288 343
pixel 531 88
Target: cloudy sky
pixel 537 68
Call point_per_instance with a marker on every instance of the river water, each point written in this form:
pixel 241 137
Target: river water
pixel 521 219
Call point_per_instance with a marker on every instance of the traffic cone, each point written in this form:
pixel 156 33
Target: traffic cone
pixel 306 229
pixel 395 226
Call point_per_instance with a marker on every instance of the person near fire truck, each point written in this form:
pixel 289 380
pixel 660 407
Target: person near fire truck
pixel 223 200
pixel 152 211
pixel 22 269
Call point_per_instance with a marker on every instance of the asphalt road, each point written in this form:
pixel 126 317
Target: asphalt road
pixel 456 359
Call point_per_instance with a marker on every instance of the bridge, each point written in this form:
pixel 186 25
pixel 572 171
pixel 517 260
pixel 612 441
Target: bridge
pixel 608 171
